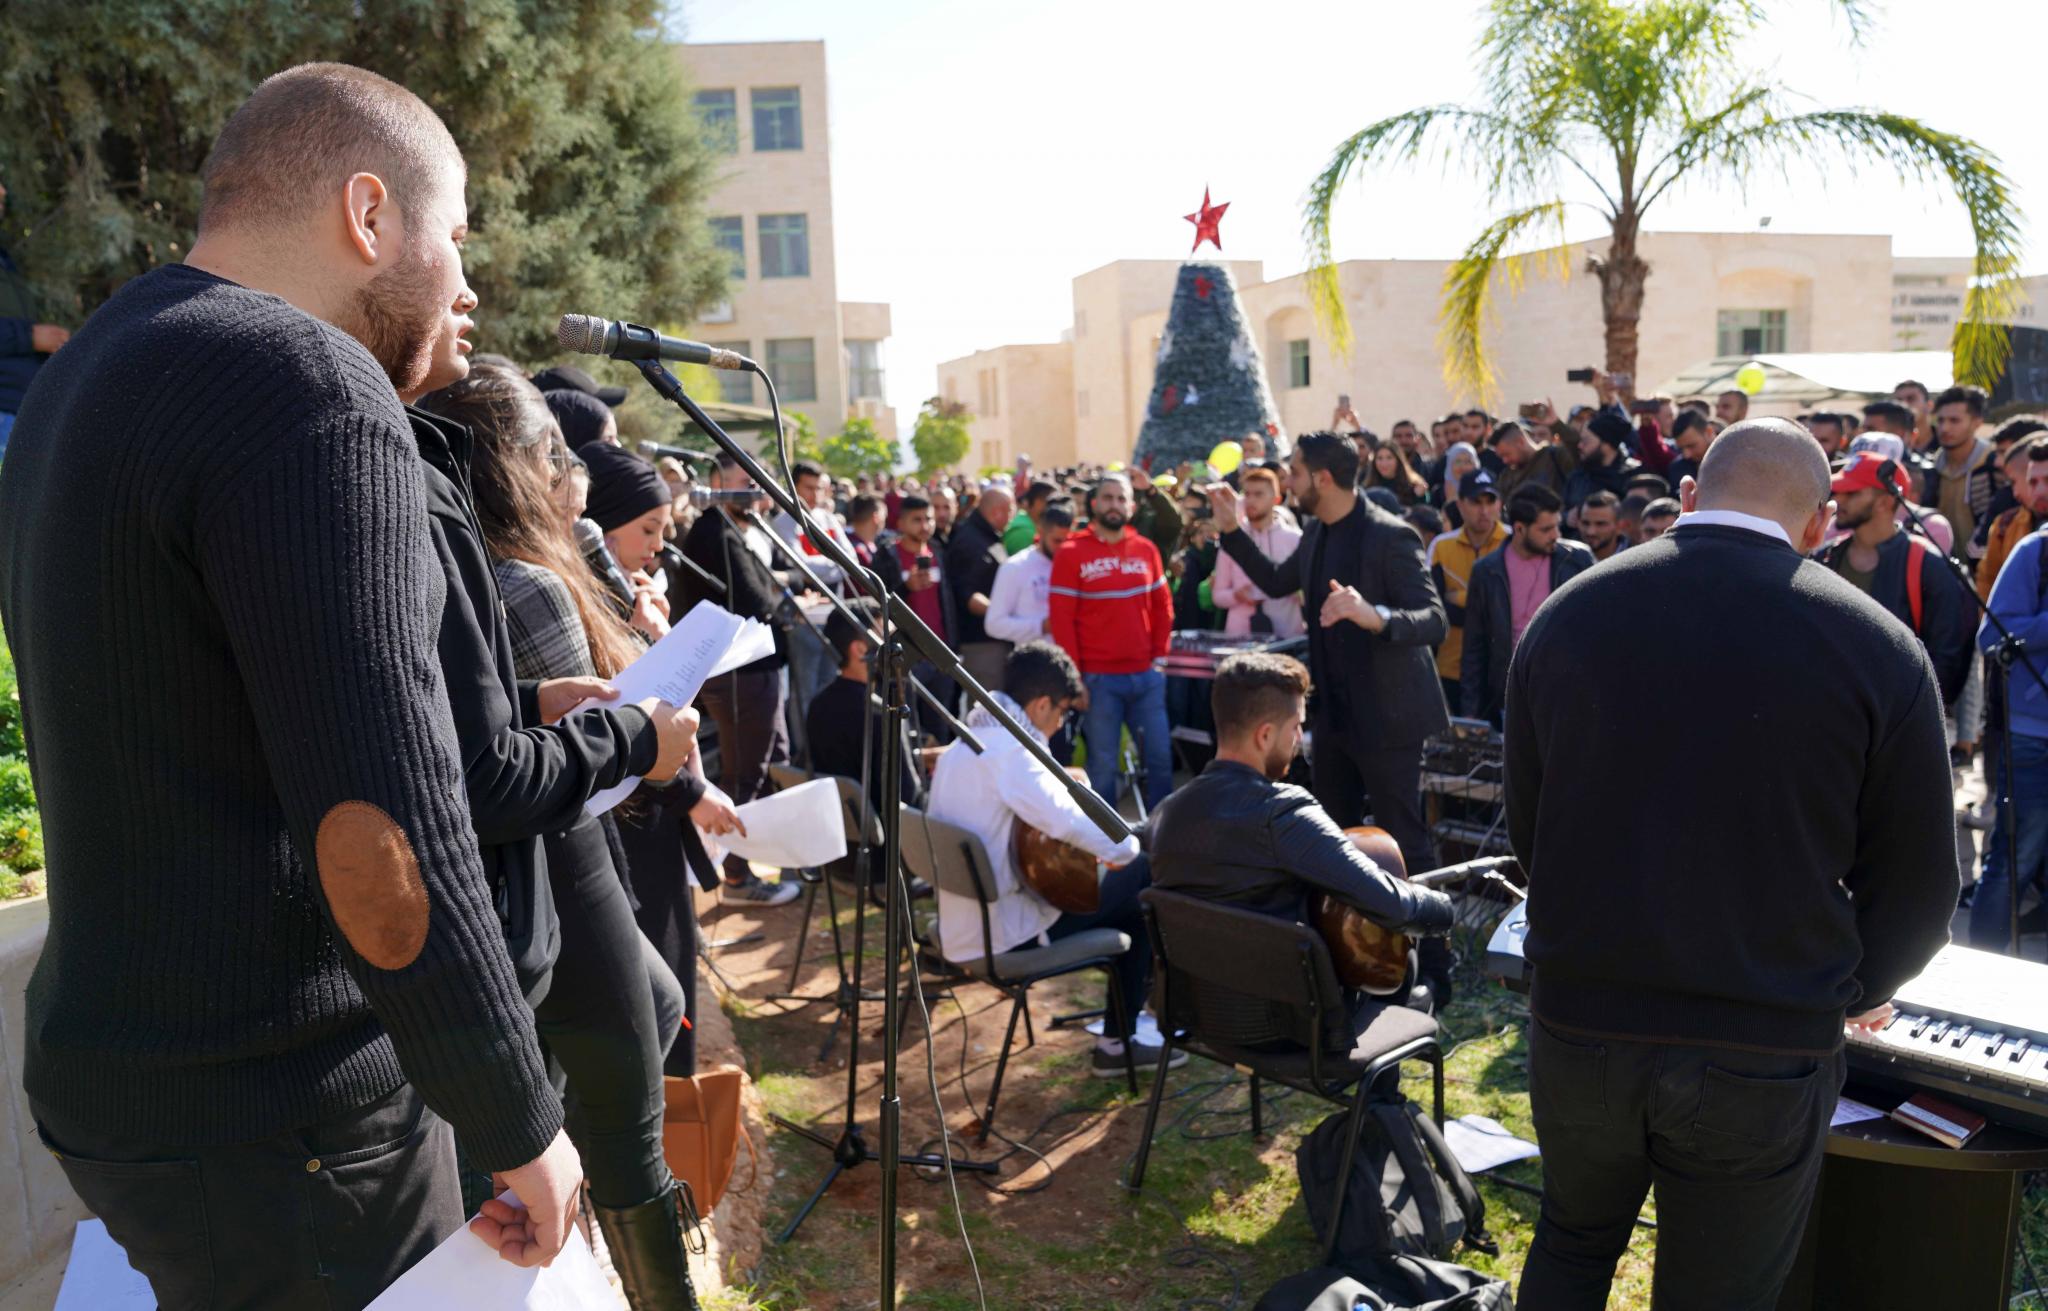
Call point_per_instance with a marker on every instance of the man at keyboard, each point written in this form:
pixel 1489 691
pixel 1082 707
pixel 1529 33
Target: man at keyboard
pixel 1693 969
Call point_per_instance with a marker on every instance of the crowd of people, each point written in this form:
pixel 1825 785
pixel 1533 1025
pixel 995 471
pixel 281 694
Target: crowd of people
pixel 330 603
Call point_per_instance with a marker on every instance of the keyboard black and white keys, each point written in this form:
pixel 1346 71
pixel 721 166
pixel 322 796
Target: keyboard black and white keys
pixel 1972 1027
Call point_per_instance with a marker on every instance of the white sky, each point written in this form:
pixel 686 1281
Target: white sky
pixel 984 154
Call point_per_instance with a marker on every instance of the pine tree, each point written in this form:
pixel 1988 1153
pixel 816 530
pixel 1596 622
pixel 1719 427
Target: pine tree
pixel 587 167
pixel 1209 384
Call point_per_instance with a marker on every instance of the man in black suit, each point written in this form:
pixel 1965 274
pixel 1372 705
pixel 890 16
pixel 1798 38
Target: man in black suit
pixel 1505 591
pixel 1694 965
pixel 973 555
pixel 1374 615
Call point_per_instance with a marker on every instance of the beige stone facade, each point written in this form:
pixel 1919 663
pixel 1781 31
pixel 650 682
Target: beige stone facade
pixel 1023 403
pixel 1710 294
pixel 773 208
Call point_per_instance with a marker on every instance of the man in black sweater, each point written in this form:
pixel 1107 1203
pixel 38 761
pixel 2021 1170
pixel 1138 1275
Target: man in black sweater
pixel 1693 968
pixel 273 947
pixel 973 554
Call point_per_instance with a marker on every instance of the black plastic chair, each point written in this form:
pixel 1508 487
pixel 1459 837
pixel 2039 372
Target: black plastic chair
pixel 953 860
pixel 1259 993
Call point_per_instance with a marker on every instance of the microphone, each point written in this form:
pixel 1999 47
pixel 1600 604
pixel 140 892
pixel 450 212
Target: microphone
pixel 589 335
pixel 655 450
pixel 706 497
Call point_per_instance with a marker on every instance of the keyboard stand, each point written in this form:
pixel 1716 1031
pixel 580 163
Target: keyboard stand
pixel 1888 1193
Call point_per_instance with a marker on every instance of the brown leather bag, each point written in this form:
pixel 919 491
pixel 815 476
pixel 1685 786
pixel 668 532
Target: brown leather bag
pixel 700 1132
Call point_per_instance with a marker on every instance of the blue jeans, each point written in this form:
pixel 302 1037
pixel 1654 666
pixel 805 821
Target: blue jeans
pixel 1989 908
pixel 1138 700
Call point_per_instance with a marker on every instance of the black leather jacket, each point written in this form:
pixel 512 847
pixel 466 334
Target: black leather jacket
pixel 1232 835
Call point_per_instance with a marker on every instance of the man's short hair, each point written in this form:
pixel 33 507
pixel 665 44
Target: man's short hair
pixel 727 460
pixel 1632 507
pixel 304 132
pixel 1686 421
pixel 1036 669
pixel 1255 688
pixel 1480 415
pixel 2019 427
pixel 2037 452
pixel 803 469
pixel 1056 513
pixel 1529 504
pixel 1664 507
pixel 1262 474
pixel 1890 412
pixel 1972 399
pixel 1108 477
pixel 912 502
pixel 1327 452
pixel 864 507
pixel 1601 501
pixel 1038 490
pixel 843 631
pixel 1914 383
pixel 1506 429
pixel 1697 404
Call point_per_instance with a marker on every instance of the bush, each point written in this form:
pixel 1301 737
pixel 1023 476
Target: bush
pixel 21 825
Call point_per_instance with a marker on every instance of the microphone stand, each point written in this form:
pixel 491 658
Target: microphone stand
pixel 905 632
pixel 2007 649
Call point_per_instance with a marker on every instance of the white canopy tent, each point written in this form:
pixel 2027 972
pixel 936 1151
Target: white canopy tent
pixel 1797 384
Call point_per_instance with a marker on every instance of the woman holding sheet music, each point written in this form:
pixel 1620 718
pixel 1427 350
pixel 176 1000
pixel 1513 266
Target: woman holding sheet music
pixel 613 1007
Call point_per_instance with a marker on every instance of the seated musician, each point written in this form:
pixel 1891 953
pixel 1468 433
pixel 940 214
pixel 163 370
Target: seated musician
pixel 833 725
pixel 988 794
pixel 1237 834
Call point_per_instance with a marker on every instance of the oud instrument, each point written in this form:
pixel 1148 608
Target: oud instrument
pixel 1069 878
pixel 1368 957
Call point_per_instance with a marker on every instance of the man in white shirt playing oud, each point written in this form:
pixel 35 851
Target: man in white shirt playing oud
pixel 988 794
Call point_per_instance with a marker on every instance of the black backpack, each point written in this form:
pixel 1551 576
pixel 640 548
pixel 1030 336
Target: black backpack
pixel 1397 1283
pixel 1407 1195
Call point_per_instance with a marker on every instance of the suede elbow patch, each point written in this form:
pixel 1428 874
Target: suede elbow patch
pixel 372 881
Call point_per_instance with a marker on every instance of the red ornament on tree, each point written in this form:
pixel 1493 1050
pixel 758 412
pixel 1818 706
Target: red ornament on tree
pixel 1208 223
pixel 1203 287
pixel 1169 400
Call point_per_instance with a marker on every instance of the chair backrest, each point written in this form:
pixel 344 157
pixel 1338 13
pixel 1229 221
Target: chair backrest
pixel 785 777
pixel 863 825
pixel 1242 979
pixel 948 857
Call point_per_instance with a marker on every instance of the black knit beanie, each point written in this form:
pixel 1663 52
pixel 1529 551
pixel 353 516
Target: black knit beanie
pixel 622 486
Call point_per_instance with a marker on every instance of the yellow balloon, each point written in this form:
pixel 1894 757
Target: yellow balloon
pixel 1226 457
pixel 1750 378
pixel 1116 466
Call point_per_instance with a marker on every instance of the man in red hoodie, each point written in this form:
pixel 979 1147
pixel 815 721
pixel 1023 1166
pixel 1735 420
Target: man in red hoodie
pixel 1113 613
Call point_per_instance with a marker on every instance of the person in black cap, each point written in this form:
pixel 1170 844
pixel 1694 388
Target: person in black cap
pixel 631 504
pixel 1451 557
pixel 585 420
pixel 567 377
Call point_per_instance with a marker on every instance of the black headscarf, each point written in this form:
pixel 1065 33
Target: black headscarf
pixel 622 485
pixel 581 415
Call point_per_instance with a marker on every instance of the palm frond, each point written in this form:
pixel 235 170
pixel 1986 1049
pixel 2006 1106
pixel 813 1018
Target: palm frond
pixel 1982 341
pixel 1469 288
pixel 1484 141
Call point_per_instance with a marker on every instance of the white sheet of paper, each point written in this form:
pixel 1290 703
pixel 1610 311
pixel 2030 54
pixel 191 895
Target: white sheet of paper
pixel 800 828
pixel 98 1276
pixel 1850 1111
pixel 1482 1144
pixel 708 641
pixel 463 1272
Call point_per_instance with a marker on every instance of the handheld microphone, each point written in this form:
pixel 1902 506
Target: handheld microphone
pixel 655 450
pixel 589 335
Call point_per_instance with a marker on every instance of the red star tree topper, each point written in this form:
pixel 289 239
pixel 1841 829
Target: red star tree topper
pixel 1208 223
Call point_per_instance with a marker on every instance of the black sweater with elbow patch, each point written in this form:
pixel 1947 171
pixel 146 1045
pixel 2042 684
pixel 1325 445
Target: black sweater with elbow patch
pixel 220 584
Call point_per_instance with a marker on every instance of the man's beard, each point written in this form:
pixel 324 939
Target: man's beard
pixel 1530 546
pixel 1114 520
pixel 395 323
pixel 1308 499
pixel 1278 762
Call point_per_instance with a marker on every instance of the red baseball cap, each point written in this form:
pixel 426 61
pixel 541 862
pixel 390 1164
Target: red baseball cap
pixel 1867 473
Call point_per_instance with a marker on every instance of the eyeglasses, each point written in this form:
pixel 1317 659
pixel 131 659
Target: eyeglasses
pixel 559 464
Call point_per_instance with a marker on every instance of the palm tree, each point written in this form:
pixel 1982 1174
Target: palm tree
pixel 1628 99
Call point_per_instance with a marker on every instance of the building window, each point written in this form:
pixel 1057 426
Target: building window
pixel 785 246
pixel 1751 332
pixel 719 112
pixel 864 369
pixel 1297 362
pixel 778 118
pixel 793 363
pixel 1080 404
pixel 729 234
pixel 734 385
pixel 988 393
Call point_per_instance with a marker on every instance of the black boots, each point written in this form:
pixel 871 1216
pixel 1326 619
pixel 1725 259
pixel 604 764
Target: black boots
pixel 646 1243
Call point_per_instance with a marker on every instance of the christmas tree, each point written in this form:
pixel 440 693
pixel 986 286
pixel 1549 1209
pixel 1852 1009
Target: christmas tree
pixel 1208 384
